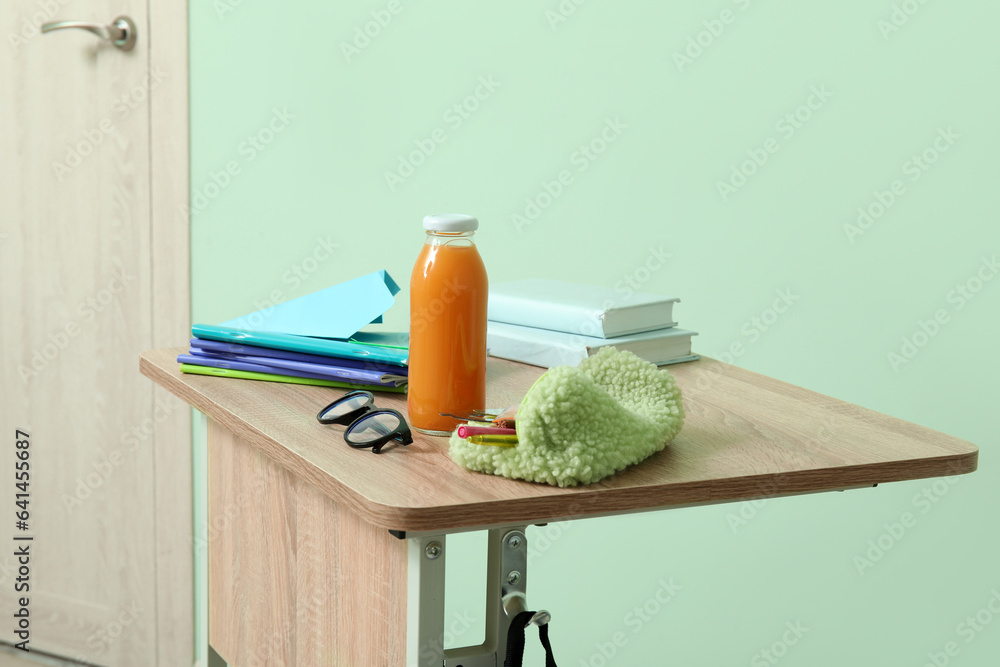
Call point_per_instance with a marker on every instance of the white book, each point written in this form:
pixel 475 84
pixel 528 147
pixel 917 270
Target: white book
pixel 602 312
pixel 542 347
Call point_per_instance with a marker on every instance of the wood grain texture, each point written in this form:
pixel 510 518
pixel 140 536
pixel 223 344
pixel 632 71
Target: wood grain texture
pixel 295 579
pixel 170 306
pixel 74 248
pixel 746 436
pixel 83 248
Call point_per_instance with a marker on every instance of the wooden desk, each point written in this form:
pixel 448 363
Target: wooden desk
pixel 303 569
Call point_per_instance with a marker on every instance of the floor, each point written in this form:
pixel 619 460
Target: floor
pixel 214 659
pixel 12 657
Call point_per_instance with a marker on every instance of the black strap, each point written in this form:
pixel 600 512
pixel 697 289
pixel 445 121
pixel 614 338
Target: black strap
pixel 515 641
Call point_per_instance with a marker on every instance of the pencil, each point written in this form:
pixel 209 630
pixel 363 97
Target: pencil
pixel 494 440
pixel 466 430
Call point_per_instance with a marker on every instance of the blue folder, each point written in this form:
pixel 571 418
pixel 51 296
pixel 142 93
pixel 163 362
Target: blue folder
pixel 268 355
pixel 307 344
pixel 299 369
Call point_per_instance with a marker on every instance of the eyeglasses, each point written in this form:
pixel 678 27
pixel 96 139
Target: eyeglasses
pixel 367 426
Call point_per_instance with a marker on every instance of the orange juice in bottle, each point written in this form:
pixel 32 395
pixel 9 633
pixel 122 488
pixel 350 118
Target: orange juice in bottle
pixel 448 293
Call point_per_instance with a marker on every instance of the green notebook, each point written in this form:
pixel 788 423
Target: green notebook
pixel 272 377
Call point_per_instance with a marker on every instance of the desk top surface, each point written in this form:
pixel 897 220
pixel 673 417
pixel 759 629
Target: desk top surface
pixel 745 436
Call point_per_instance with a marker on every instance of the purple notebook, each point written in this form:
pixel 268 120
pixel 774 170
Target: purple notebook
pixel 296 369
pixel 254 353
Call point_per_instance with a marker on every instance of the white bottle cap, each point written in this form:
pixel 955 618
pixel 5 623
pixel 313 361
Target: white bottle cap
pixel 450 222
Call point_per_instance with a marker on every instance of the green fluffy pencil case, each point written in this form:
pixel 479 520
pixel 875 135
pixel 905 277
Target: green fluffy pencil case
pixel 577 425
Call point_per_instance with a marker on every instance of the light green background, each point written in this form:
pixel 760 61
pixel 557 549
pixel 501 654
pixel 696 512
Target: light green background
pixel 655 186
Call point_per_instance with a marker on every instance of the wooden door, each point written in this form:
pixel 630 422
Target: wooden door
pixel 93 269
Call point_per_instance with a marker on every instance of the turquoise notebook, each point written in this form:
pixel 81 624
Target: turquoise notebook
pixel 324 346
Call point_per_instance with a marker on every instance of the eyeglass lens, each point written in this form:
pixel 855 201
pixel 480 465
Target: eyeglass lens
pixel 344 406
pixel 373 427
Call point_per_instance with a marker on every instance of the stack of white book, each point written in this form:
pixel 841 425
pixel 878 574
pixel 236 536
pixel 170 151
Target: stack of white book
pixel 554 323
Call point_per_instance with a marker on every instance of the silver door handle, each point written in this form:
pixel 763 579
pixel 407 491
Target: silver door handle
pixel 122 32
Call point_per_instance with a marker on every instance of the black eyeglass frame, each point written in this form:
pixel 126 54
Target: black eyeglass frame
pixel 356 417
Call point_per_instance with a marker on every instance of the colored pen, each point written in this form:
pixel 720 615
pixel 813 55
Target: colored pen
pixel 494 440
pixel 465 431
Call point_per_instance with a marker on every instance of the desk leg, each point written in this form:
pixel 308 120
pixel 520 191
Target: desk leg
pixel 425 601
pixel 506 581
pixel 296 579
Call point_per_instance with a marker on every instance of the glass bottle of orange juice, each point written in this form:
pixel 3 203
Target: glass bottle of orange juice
pixel 448 293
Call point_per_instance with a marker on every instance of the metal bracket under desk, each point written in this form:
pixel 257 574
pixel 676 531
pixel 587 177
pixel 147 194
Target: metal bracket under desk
pixel 506 584
pixel 506 581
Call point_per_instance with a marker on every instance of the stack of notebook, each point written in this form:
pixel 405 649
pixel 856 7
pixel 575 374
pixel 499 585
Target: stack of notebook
pixel 313 339
pixel 364 362
pixel 553 323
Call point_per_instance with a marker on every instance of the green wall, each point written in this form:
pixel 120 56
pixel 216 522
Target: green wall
pixel 887 82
